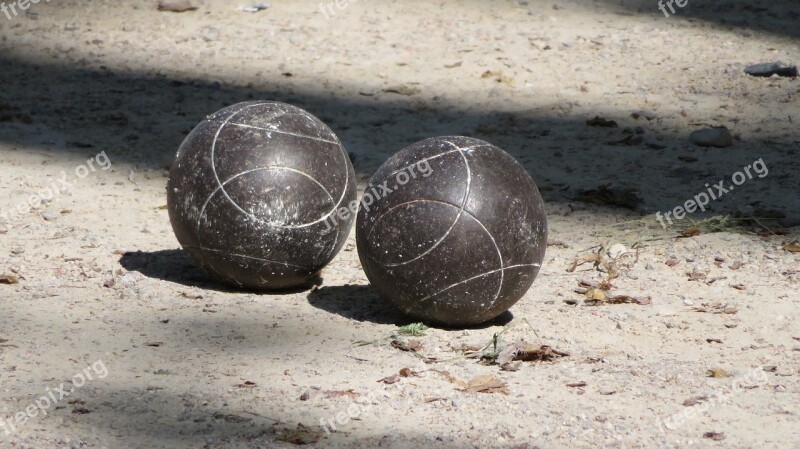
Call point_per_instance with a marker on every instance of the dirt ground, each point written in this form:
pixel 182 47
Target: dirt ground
pixel 95 98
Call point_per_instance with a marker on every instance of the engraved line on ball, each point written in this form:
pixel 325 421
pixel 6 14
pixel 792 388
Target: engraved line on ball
pixel 510 267
pixel 224 192
pixel 269 130
pixel 305 115
pixel 244 256
pixel 268 223
pixel 474 218
pixel 452 225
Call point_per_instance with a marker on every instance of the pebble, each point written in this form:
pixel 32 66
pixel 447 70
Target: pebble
pixel 49 216
pixel 767 69
pixel 712 137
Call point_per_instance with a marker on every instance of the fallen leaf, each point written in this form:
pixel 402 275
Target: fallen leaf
pixel 672 262
pixel 300 436
pixel 596 294
pixel 8 279
pixel 691 232
pixel 410 346
pixel 154 344
pixel 486 384
pixel 340 393
pixel 406 372
pixel 390 379
pixel 176 6
pixel 739 287
pixel 717 373
pixel 716 308
pixel 716 436
pixel 602 122
pixel 429 400
pixel 577 384
pixel 713 340
pixel 622 299
pixel 246 384
pixel 793 247
pixel 81 411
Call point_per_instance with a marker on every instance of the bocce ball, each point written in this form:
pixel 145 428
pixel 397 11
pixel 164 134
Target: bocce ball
pixel 452 231
pixel 255 192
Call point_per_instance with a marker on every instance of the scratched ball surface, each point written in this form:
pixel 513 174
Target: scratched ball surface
pixel 451 230
pixel 254 192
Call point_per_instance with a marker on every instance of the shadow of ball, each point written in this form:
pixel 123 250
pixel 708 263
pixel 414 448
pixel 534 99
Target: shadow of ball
pixel 256 194
pixel 452 230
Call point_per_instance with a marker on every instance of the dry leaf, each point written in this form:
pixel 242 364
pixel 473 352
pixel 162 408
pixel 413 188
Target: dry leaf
pixel 524 352
pixel 716 308
pixel 429 400
pixel 8 279
pixel 713 340
pixel 486 384
pixel 691 232
pixel 739 287
pixel 246 384
pixel 406 372
pixel 390 379
pixel 410 346
pixel 717 373
pixel 300 435
pixel 622 299
pixel 792 247
pixel 176 6
pixel 340 393
pixel 577 384
pixel 672 262
pixel 596 294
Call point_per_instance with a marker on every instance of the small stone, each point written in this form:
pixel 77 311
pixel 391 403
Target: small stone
pixel 768 69
pixel 712 137
pixel 50 216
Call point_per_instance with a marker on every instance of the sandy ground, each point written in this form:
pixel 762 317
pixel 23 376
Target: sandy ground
pixel 178 361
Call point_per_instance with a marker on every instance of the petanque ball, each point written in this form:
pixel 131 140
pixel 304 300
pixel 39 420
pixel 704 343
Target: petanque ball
pixel 255 192
pixel 452 231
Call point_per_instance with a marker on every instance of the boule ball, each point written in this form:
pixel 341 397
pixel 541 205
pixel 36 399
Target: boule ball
pixel 256 192
pixel 452 231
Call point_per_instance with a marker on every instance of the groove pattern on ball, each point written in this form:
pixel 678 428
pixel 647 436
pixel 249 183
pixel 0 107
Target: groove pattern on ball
pixel 459 246
pixel 254 191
